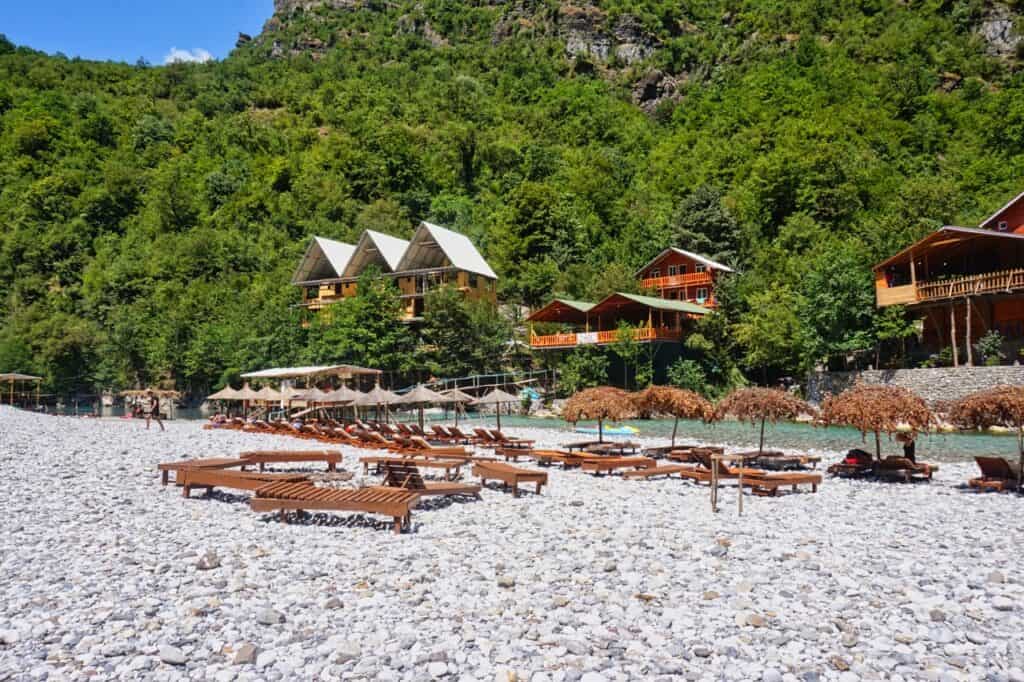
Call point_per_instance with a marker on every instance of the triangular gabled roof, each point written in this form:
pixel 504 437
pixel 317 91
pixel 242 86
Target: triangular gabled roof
pixel 324 259
pixel 989 223
pixel 433 246
pixel 714 265
pixel 376 248
pixel 665 304
pixel 562 310
pixel 947 235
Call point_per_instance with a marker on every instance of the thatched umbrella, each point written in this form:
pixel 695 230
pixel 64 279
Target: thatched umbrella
pixel 421 396
pixel 760 405
pixel 497 398
pixel 600 403
pixel 376 398
pixel 459 398
pixel 226 393
pixel 678 402
pixel 999 406
pixel 877 410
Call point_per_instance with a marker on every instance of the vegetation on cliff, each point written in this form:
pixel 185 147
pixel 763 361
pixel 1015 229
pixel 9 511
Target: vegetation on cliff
pixel 152 216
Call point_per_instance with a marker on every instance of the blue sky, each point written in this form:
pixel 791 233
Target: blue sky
pixel 125 31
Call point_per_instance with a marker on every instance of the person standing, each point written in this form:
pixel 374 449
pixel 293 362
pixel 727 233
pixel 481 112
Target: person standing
pixel 153 409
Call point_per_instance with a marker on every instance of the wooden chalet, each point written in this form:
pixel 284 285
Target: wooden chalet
pixel 680 288
pixel 680 275
pixel 962 282
pixel 435 256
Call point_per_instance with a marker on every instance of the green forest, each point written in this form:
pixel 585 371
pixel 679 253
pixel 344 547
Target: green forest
pixel 152 216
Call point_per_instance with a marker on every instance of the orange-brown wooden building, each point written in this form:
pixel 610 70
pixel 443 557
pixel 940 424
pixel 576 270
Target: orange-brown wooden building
pixel 680 288
pixel 962 282
pixel 435 256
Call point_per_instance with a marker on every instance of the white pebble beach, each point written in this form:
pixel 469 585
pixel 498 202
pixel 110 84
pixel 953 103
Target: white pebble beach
pixel 105 574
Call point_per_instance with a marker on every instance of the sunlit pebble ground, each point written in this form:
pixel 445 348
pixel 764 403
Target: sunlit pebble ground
pixel 597 578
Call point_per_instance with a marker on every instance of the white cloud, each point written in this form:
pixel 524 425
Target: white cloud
pixel 196 54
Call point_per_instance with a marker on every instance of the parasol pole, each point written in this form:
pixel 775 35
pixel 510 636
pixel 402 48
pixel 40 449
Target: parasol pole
pixel 760 446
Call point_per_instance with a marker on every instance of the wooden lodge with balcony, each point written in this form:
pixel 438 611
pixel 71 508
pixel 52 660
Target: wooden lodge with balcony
pixel 962 282
pixel 679 288
pixel 653 320
pixel 434 257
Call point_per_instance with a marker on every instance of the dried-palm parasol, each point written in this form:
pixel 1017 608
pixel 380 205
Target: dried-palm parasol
pixel 760 405
pixel 422 396
pixel 600 403
pixel 999 406
pixel 497 398
pixel 877 410
pixel 459 398
pixel 678 402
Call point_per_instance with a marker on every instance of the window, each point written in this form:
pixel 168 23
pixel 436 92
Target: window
pixel 655 273
pixel 312 292
pixel 702 294
pixel 1003 226
pixel 472 280
pixel 682 269
pixel 337 289
pixel 700 267
pixel 672 269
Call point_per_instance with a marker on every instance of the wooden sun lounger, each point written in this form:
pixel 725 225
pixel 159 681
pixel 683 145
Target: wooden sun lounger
pixel 509 475
pixel 609 448
pixel 609 464
pixel 392 502
pixel 506 441
pixel 653 472
pixel 451 467
pixel 903 469
pixel 222 478
pixel 420 444
pixel 547 457
pixel 210 463
pixel 689 454
pixel 264 457
pixel 996 474
pixel 580 445
pixel 768 483
pixel 406 475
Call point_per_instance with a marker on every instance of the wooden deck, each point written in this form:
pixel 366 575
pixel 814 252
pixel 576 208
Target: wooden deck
pixel 1001 282
pixel 642 334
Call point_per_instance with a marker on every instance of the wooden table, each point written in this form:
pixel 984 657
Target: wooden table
pixel 742 458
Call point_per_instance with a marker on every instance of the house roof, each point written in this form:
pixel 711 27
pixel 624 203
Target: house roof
pixel 324 259
pixel 306 372
pixel 945 236
pixel 652 302
pixel 992 218
pixel 432 245
pixel 714 265
pixel 561 310
pixel 376 247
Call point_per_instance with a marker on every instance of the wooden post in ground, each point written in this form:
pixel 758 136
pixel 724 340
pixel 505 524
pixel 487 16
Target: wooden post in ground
pixel 952 333
pixel 967 332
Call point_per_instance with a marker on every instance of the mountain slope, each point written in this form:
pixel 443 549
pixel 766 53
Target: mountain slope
pixel 153 215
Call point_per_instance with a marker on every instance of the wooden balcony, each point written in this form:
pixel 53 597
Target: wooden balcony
pixel 569 340
pixel 1003 281
pixel 692 279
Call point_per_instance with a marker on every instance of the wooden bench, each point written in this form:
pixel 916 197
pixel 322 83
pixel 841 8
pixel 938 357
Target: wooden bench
pixel 406 475
pixel 209 463
pixel 768 483
pixel 263 457
pixel 396 503
pixel 222 478
pixel 996 474
pixel 509 475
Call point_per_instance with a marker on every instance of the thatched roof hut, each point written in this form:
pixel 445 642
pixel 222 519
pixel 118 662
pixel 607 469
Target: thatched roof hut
pixel 761 405
pixel 677 402
pixel 878 409
pixel 999 406
pixel 600 403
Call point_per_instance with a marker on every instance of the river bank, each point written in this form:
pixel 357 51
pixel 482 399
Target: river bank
pixel 106 574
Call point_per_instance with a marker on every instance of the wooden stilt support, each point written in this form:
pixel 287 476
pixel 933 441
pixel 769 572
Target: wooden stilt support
pixel 952 334
pixel 967 332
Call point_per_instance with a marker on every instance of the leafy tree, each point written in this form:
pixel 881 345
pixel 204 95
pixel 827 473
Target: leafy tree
pixel 989 348
pixel 768 334
pixel 688 374
pixel 583 367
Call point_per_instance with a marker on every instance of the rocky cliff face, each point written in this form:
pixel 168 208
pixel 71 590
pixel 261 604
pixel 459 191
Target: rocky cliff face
pixel 998 31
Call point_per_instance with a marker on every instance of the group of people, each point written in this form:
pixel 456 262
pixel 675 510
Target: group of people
pixel 149 409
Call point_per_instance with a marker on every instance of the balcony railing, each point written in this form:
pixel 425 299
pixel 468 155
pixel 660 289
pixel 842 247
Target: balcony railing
pixel 691 279
pixel 604 337
pixel 972 285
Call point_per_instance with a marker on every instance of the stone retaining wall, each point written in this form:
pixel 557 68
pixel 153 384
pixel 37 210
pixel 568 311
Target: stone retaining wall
pixel 937 383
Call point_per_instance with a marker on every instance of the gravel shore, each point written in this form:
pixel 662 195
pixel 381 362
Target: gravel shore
pixel 105 574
